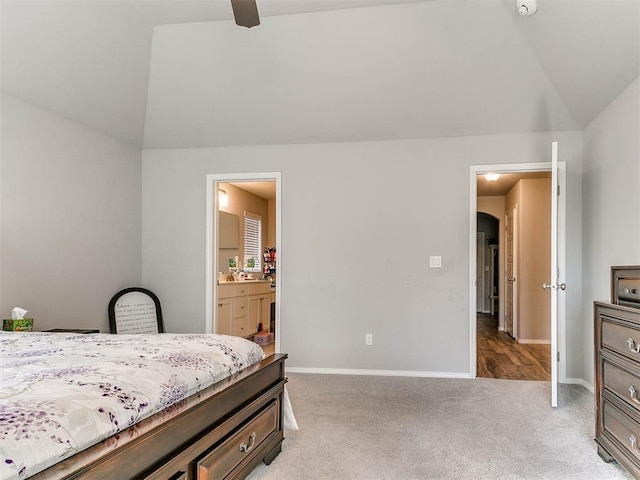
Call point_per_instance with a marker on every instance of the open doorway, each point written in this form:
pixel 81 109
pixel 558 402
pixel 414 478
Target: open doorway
pixel 517 348
pixel 499 326
pixel 243 257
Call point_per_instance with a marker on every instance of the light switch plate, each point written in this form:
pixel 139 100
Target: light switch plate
pixel 435 261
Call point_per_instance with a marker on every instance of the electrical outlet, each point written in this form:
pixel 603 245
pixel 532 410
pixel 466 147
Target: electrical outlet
pixel 368 338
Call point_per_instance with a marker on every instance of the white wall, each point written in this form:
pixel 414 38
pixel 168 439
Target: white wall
pixel 611 192
pixel 70 218
pixel 359 221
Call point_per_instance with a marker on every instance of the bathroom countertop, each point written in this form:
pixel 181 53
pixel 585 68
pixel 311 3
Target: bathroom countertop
pixel 224 282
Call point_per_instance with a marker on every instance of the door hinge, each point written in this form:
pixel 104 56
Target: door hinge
pixel 558 190
pixel 558 356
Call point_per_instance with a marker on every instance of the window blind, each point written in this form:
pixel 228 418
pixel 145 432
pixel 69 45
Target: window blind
pixel 252 242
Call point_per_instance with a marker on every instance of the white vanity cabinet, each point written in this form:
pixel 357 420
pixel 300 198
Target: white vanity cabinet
pixel 225 310
pixel 242 306
pixel 259 306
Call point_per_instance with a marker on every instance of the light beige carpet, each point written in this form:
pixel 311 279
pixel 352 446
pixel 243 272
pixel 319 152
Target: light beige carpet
pixel 360 427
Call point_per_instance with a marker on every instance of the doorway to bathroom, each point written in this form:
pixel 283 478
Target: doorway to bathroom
pixel 243 257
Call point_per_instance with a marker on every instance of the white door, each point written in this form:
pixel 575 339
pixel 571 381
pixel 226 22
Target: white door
pixel 554 284
pixel 511 301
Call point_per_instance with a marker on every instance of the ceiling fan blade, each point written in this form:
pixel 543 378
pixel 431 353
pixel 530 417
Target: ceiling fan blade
pixel 245 13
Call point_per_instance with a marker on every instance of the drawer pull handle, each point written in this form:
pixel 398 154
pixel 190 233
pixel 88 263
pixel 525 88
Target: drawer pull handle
pixel 634 394
pixel 634 442
pixel 632 345
pixel 252 441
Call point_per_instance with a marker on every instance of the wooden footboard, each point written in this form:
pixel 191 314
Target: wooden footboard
pixel 221 432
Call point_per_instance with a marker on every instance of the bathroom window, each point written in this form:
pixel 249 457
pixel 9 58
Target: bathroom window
pixel 252 242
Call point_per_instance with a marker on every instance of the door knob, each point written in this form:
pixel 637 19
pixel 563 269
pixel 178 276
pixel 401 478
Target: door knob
pixel 562 286
pixel 547 286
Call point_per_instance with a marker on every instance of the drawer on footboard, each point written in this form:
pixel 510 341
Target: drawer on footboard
pixel 233 451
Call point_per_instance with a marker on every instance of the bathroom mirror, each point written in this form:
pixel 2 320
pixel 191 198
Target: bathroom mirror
pixel 229 226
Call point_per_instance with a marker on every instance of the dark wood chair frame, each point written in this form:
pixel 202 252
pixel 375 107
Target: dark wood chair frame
pixel 149 293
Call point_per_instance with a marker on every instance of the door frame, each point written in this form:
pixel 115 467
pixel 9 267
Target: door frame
pixel 211 260
pixel 514 273
pixel 494 249
pixel 481 277
pixel 474 171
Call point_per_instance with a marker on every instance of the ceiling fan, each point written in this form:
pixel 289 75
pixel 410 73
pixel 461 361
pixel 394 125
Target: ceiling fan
pixel 245 13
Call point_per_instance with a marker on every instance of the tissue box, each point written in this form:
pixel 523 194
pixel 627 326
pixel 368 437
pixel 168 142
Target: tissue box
pixel 22 325
pixel 263 338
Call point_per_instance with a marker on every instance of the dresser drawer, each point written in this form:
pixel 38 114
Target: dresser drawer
pixel 623 383
pixel 621 339
pixel 222 460
pixel 623 428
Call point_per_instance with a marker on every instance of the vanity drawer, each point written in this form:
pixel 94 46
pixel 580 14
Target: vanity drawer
pixel 225 291
pixel 259 288
pixel 222 460
pixel 623 428
pixel 623 383
pixel 621 339
pixel 240 306
pixel 241 290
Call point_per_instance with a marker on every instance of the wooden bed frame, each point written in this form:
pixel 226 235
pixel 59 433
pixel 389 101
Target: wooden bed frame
pixel 221 432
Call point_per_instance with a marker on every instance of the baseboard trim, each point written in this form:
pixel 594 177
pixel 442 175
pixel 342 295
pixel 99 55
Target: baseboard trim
pixel 379 373
pixel 406 373
pixel 534 341
pixel 580 381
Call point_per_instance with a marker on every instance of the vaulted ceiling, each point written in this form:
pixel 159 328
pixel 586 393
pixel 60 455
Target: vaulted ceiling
pixel 180 73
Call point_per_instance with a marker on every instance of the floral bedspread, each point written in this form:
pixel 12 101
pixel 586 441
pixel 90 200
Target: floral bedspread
pixel 61 393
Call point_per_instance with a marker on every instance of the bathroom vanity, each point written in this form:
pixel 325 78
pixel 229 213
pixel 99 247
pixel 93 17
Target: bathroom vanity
pixel 243 306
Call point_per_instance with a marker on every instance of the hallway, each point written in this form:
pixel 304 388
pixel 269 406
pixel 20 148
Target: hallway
pixel 500 356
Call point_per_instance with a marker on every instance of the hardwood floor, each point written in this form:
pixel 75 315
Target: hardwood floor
pixel 500 356
pixel 269 349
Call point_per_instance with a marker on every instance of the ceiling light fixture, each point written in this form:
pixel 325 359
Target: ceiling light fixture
pixel 492 177
pixel 223 198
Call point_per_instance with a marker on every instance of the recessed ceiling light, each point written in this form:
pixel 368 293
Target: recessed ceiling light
pixel 492 177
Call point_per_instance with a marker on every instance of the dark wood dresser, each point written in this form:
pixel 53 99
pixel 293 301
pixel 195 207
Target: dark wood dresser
pixel 617 373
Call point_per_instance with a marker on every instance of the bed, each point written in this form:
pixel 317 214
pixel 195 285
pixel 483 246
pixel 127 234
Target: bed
pixel 167 406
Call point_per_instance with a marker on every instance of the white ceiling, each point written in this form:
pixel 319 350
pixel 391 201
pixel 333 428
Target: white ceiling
pixel 352 70
pixel 502 185
pixel 266 190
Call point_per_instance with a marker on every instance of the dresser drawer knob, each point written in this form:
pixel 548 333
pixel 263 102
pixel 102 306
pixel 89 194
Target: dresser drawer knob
pixel 252 441
pixel 632 345
pixel 634 394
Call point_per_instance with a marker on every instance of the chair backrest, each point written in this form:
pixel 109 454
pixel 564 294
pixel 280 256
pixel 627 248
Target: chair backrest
pixel 135 310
